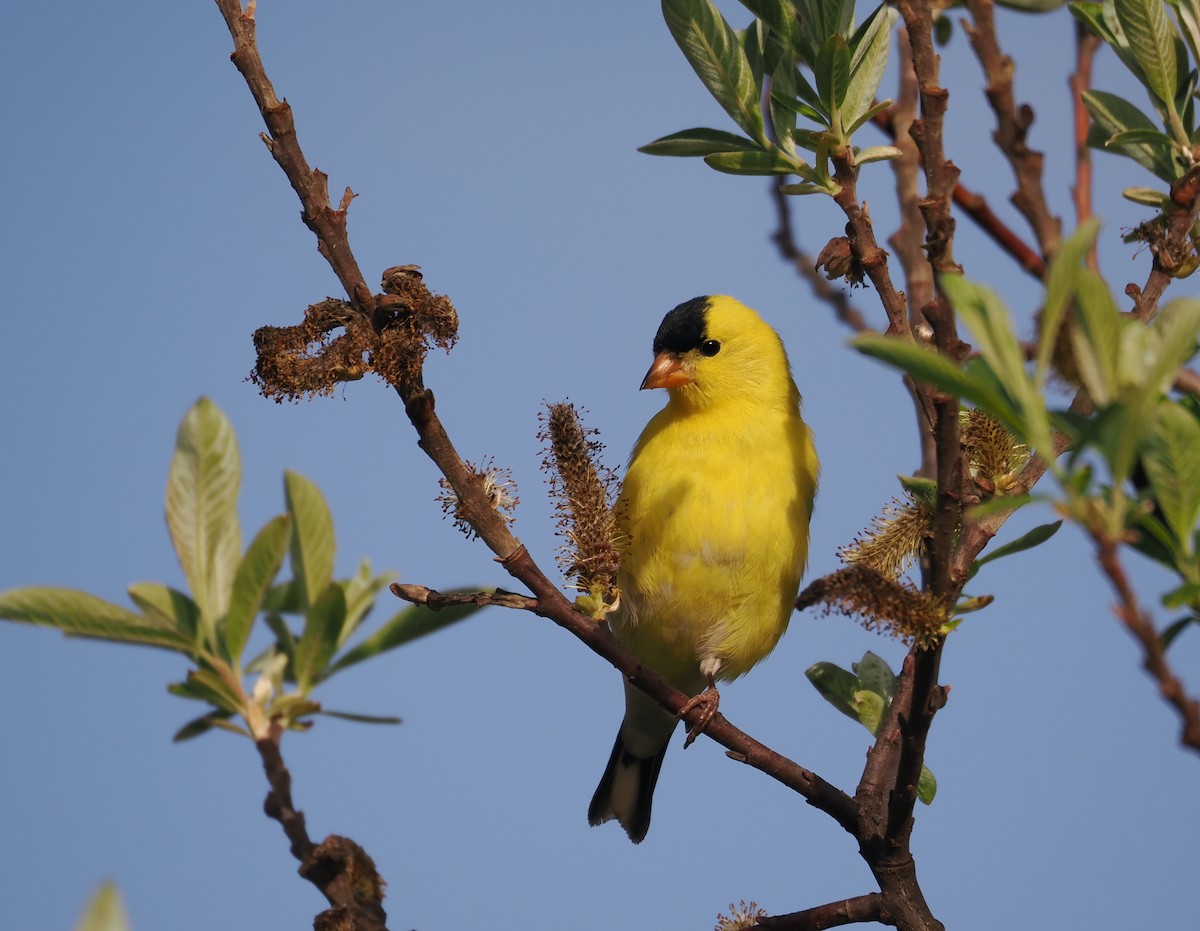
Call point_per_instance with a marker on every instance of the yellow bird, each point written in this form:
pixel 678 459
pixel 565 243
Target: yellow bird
pixel 714 513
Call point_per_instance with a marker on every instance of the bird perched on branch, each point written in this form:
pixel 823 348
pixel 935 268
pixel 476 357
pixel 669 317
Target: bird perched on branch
pixel 713 513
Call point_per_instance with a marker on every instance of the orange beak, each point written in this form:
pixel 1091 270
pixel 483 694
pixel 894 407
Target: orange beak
pixel 666 372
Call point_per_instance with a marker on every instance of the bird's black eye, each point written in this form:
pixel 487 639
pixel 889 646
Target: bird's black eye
pixel 710 347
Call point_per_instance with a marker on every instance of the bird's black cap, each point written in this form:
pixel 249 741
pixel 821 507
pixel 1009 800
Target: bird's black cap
pixel 683 328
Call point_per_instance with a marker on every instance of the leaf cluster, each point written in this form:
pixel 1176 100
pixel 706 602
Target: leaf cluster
pixel 864 693
pixel 1133 471
pixel 1161 52
pixel 761 78
pixel 229 590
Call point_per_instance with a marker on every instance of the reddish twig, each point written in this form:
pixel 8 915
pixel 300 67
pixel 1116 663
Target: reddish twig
pixel 1086 45
pixel 1012 125
pixel 1154 656
pixel 976 207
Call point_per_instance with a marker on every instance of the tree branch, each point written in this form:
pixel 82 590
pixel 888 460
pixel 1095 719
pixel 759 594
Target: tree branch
pixel 1086 44
pixel 785 241
pixel 338 867
pixel 1154 656
pixel 1012 124
pixel 860 908
pixel 1174 246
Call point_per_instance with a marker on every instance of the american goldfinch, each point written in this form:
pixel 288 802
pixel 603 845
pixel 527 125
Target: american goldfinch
pixel 713 514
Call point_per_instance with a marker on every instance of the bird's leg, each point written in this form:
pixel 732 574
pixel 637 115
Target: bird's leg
pixel 708 701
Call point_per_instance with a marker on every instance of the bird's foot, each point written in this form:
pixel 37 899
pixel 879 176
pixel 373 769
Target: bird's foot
pixel 708 701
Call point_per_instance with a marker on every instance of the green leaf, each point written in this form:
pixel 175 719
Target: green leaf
pixel 998 505
pixel 1112 115
pixel 780 17
pixel 361 591
pixel 285 641
pixel 79 614
pixel 832 72
pixel 1167 637
pixel 1176 329
pixel 256 571
pixel 869 48
pixel 933 368
pixel 1148 197
pixel 1027 541
pixel 1151 40
pixel 868 114
pixel 699 142
pixel 1031 6
pixel 318 642
pixel 923 489
pixel 166 607
pixel 205 723
pixel 208 686
pixel 991 326
pixel 712 49
pixel 875 675
pixel 1152 137
pixel 312 540
pixel 285 598
pixel 1171 458
pixel 1187 12
pixel 1186 595
pixel 202 493
pixel 104 912
pixel 926 786
pixel 752 163
pixel 876 153
pixel 869 707
pixel 1096 337
pixel 1062 279
pixel 836 685
pixel 408 625
pixel 361 718
pixel 820 19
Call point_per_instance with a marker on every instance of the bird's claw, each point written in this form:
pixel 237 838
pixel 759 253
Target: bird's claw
pixel 708 701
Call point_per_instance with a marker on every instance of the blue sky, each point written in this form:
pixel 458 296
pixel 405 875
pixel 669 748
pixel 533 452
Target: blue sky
pixel 148 234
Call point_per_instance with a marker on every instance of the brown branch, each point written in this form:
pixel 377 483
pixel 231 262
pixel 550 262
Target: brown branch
pixel 1154 656
pixel 1172 248
pixel 861 908
pixel 1086 45
pixel 908 237
pixel 337 866
pixel 311 185
pixel 435 600
pixel 1012 125
pixel 976 207
pixel 803 262
pixel 940 173
pixel 866 250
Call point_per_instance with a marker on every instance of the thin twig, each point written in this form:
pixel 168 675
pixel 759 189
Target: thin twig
pixel 337 866
pixel 866 250
pixel 1012 125
pixel 856 910
pixel 435 600
pixel 976 207
pixel 785 240
pixel 1154 656
pixel 1086 45
pixel 1174 246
